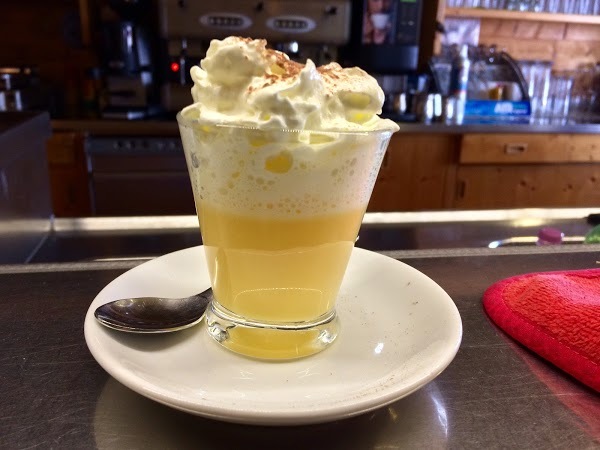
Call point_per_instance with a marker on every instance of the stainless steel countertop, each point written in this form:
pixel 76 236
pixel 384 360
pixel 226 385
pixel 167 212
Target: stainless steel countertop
pixel 169 128
pixel 494 395
pixel 102 238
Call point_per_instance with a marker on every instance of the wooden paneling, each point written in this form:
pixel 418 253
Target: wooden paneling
pixel 429 41
pixel 582 32
pixel 552 31
pixel 489 27
pixel 543 186
pixel 569 45
pixel 571 54
pixel 529 148
pixel 506 28
pixel 416 174
pixel 69 183
pixel 525 49
pixel 527 30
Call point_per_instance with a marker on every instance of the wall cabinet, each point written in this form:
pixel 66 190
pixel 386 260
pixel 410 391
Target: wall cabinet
pixel 417 173
pixel 526 170
pixel 69 183
pixel 421 171
pixel 527 186
pixel 488 171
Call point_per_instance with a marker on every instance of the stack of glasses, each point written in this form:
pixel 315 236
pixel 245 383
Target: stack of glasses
pixel 561 97
pixel 587 7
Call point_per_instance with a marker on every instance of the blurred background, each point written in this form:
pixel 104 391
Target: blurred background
pixel 497 99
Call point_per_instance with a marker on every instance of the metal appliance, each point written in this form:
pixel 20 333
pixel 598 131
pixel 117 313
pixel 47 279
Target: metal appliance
pixel 25 204
pixel 150 169
pixel 127 62
pixel 385 36
pixel 20 89
pixel 302 28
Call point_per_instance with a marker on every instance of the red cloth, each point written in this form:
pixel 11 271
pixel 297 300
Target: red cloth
pixel 555 314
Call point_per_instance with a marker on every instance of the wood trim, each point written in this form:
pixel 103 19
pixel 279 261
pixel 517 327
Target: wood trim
pixel 85 19
pixel 521 15
pixel 528 148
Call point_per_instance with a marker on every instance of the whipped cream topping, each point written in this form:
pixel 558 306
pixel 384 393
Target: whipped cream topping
pixel 241 82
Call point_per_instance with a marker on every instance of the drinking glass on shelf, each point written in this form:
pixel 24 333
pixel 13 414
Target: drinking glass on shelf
pixel 537 76
pixel 493 4
pixel 568 6
pixel 553 6
pixel 537 5
pixel 584 93
pixel 586 7
pixel 454 3
pixel 560 95
pixel 517 5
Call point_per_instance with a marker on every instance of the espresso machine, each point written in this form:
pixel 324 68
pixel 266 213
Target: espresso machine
pixel 127 60
pixel 303 29
pixel 385 38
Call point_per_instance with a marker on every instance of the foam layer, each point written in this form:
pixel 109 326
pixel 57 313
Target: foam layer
pixel 266 172
pixel 241 161
pixel 242 82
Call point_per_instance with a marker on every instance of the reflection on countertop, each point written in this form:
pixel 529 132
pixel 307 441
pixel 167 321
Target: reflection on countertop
pixel 122 238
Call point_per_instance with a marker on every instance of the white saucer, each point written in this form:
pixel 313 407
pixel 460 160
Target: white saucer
pixel 399 330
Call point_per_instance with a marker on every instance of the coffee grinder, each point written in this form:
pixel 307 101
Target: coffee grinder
pixel 127 60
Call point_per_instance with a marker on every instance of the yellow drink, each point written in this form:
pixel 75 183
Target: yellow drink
pixel 277 270
pixel 279 213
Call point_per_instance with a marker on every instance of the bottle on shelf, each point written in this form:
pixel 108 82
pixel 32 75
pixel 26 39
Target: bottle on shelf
pixel 459 80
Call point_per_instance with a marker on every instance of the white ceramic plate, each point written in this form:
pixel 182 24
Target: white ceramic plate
pixel 399 330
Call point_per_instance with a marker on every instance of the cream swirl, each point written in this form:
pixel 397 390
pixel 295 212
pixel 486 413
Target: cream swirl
pixel 242 82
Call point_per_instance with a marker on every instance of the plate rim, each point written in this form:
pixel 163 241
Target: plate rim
pixel 290 416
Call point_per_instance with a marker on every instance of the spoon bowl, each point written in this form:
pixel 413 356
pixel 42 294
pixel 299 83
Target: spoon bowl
pixel 154 314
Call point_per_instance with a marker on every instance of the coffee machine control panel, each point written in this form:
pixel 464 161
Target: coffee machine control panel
pixel 301 28
pixel 308 21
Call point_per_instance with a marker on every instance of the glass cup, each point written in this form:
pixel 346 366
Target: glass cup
pixel 279 212
pixel 553 6
pixel 569 6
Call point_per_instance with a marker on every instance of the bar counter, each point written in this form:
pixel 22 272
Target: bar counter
pixel 168 127
pixel 495 394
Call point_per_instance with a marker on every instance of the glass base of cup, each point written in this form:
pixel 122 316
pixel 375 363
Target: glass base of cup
pixel 268 340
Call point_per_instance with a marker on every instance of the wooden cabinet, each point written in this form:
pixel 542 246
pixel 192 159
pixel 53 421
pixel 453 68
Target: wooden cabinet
pixel 69 181
pixel 529 148
pixel 421 171
pixel 519 186
pixel 528 171
pixel 488 171
pixel 417 173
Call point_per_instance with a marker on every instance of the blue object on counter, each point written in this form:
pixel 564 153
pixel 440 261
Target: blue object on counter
pixel 493 111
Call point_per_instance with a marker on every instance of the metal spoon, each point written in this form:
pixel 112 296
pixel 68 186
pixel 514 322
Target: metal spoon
pixel 154 314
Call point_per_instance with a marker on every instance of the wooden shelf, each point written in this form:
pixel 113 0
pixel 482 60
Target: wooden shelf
pixel 519 15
